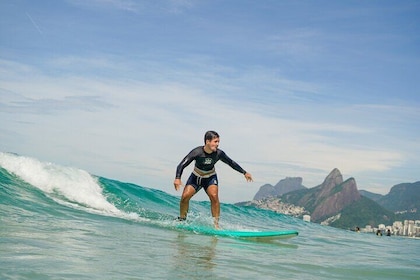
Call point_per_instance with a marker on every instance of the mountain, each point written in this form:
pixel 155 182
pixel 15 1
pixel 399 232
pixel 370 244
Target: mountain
pixel 339 203
pixel 403 199
pixel 327 199
pixel 283 186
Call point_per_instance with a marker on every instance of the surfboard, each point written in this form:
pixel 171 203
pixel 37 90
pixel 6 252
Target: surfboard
pixel 275 234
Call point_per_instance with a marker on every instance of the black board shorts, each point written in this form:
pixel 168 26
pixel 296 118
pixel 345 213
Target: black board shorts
pixel 198 182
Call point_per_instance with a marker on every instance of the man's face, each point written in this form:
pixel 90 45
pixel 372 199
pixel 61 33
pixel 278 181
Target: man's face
pixel 213 144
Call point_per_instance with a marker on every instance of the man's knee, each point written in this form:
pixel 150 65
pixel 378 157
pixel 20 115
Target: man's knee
pixel 185 198
pixel 212 192
pixel 188 193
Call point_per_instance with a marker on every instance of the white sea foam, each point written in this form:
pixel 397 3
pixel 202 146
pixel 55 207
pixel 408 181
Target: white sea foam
pixel 79 188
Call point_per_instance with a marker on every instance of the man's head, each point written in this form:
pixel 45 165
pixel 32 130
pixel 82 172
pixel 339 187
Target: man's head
pixel 210 135
pixel 211 140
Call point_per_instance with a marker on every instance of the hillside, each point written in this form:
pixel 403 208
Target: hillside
pixel 371 195
pixel 402 197
pixel 363 212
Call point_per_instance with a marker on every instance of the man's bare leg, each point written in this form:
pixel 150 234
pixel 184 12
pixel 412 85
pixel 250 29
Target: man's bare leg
pixel 213 193
pixel 188 192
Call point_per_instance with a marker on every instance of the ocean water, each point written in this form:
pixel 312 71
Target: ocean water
pixel 61 222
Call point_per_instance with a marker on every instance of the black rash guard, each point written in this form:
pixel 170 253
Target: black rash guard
pixel 205 162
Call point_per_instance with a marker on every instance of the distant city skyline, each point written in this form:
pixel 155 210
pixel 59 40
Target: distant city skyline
pixel 409 228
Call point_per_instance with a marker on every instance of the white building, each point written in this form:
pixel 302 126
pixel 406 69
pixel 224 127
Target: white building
pixel 405 228
pixel 398 228
pixel 411 230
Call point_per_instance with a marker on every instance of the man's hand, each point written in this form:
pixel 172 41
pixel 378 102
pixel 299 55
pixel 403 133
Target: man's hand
pixel 248 177
pixel 177 184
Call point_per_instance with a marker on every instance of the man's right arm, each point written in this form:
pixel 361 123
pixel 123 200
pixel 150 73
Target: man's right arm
pixel 185 162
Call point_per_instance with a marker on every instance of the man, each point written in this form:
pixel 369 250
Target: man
pixel 204 175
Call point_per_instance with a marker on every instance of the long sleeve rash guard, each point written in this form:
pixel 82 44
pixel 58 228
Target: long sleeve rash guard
pixel 205 161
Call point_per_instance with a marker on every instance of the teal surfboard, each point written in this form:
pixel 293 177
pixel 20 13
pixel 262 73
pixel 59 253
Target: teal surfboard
pixel 272 234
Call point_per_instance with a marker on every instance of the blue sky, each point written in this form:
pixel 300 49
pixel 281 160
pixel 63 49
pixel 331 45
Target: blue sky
pixel 125 89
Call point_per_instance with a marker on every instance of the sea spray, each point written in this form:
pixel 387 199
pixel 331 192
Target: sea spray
pixel 66 185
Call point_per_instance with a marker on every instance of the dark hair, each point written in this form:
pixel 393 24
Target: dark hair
pixel 210 135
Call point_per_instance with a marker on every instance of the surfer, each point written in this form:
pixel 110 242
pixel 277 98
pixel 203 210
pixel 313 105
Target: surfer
pixel 204 175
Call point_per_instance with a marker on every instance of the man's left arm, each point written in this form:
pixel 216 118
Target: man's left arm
pixel 226 159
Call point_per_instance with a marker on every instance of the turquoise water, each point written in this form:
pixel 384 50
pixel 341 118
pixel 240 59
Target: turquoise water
pixel 64 223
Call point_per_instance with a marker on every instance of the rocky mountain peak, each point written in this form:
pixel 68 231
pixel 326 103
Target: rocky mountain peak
pixel 333 179
pixel 335 198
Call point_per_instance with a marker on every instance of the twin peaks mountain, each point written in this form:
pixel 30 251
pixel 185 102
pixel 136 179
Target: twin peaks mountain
pixel 338 202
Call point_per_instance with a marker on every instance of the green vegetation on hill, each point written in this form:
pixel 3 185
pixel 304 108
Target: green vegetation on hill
pixel 363 212
pixel 371 195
